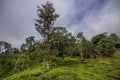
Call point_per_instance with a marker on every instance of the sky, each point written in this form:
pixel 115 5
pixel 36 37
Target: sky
pixel 89 16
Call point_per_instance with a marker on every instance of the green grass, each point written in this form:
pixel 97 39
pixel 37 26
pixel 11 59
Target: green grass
pixel 73 69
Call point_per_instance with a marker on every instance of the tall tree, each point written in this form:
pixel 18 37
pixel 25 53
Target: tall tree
pixel 61 41
pixel 5 47
pixel 80 38
pixel 44 25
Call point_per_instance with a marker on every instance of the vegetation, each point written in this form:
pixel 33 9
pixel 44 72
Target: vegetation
pixel 72 69
pixel 59 55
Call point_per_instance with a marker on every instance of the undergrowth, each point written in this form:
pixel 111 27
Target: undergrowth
pixel 73 69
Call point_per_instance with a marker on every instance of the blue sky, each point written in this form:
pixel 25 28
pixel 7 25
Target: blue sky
pixel 90 16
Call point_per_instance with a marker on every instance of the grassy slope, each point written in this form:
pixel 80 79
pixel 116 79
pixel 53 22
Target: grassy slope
pixel 73 69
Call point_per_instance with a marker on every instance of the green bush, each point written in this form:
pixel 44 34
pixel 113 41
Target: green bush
pixel 22 62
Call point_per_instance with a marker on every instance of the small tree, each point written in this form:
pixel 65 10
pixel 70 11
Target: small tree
pixel 23 61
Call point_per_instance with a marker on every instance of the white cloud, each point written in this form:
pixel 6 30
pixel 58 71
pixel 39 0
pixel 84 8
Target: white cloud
pixel 105 20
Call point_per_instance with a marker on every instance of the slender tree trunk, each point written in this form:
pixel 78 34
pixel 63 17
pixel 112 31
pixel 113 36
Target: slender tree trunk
pixel 47 65
pixel 81 54
pixel 44 63
pixel 82 58
pixel 100 59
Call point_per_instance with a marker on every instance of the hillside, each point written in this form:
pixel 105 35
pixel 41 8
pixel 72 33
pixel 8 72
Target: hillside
pixel 73 69
pixel 60 52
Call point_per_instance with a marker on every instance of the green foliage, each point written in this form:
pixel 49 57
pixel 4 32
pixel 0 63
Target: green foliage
pixel 29 46
pixel 7 63
pixel 116 55
pixel 15 50
pixel 85 47
pixel 114 37
pixel 75 70
pixel 30 43
pixel 23 61
pixel 62 41
pixel 105 47
pixel 26 73
pixel 97 38
pixel 46 16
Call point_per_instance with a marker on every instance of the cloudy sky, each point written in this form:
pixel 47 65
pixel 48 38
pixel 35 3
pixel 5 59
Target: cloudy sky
pixel 90 16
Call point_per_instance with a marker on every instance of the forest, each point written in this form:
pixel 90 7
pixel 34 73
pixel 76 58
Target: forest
pixel 60 55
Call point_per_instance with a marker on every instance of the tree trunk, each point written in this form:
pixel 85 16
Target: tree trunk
pixel 100 59
pixel 82 58
pixel 47 65
pixel 44 63
pixel 91 55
